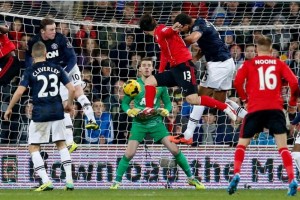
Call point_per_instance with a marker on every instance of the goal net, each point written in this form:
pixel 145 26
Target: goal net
pixel 109 48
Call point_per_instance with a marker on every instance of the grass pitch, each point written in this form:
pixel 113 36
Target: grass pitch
pixel 158 194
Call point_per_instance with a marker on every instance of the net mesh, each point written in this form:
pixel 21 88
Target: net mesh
pixel 106 35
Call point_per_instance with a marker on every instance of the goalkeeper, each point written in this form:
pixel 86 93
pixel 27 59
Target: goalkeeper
pixel 152 125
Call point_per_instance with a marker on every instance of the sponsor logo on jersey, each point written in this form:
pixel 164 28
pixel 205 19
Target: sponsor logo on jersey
pixel 54 46
pixel 143 101
pixel 164 29
pixel 52 54
pixel 69 45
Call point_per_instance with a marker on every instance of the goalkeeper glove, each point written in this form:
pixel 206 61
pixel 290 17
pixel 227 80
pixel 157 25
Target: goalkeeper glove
pixel 163 112
pixel 133 112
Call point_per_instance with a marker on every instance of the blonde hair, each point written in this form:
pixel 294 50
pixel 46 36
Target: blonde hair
pixel 264 44
pixel 39 50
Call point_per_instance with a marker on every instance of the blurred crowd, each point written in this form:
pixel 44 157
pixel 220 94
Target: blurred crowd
pixel 110 55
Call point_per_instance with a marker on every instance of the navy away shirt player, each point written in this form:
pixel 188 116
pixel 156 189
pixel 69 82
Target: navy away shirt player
pixel 59 51
pixel 210 42
pixel 44 79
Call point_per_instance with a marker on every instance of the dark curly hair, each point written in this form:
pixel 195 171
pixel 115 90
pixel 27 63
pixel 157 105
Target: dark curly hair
pixel 147 23
pixel 183 19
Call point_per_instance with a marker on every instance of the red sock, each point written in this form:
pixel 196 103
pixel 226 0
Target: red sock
pixel 150 92
pixel 210 102
pixel 287 162
pixel 239 156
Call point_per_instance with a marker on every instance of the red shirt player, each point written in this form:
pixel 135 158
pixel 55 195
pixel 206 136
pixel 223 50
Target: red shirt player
pixel 182 72
pixel 9 64
pixel 262 78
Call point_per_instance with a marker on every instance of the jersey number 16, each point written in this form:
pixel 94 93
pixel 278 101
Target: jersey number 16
pixel 267 79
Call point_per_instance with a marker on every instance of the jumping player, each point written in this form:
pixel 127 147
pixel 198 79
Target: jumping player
pixel 182 72
pixel 61 52
pixel 220 68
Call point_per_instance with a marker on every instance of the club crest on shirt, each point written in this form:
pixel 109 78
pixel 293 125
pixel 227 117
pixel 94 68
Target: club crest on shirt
pixel 54 46
pixel 195 28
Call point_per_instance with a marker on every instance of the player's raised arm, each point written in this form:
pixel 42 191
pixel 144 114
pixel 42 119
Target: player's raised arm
pixel 186 23
pixel 192 38
pixel 169 31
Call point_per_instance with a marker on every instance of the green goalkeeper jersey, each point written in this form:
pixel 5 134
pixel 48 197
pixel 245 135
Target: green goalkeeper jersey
pixel 140 103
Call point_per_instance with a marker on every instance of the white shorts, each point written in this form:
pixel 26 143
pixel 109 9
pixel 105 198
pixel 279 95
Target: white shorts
pixel 297 141
pixel 75 77
pixel 219 75
pixel 39 132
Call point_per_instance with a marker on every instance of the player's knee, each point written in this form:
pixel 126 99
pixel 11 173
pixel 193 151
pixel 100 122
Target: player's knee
pixel 33 148
pixel 78 91
pixel 60 145
pixel 193 99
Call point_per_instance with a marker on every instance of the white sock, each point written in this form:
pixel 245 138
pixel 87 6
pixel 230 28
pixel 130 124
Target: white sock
pixel 296 157
pixel 87 108
pixel 241 112
pixel 193 121
pixel 39 166
pixel 66 162
pixel 69 132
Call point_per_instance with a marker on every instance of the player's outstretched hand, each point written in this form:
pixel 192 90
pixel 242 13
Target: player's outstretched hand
pixel 163 112
pixel 133 112
pixel 176 26
pixel 7 114
pixel 68 108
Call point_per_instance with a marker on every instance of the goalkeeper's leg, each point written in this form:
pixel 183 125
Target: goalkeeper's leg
pixel 182 162
pixel 67 163
pixel 124 162
pixel 39 167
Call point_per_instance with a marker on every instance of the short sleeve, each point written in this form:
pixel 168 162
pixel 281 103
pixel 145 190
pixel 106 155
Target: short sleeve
pixel 198 27
pixel 25 79
pixel 64 77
